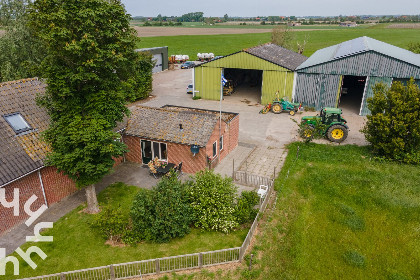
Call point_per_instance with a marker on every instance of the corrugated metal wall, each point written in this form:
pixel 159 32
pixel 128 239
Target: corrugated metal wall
pixel 371 82
pixel 274 81
pixel 207 82
pixel 367 64
pixel 275 78
pixel 317 90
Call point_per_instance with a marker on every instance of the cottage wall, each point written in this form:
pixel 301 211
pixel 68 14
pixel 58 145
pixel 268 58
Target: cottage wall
pixel 182 153
pixel 56 185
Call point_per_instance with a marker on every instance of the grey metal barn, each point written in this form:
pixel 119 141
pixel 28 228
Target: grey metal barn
pixel 344 75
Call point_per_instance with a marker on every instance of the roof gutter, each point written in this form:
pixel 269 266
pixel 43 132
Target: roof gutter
pixel 20 177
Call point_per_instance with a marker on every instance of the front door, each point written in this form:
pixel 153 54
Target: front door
pixel 146 151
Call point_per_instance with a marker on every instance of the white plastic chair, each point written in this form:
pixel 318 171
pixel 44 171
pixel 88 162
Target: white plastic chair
pixel 262 191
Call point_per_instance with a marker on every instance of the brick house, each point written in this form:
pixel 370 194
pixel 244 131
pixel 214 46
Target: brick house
pixel 22 152
pixel 195 137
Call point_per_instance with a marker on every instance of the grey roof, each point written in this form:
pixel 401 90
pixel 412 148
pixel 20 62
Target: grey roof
pixel 278 55
pixel 21 153
pixel 164 125
pixel 360 45
pixel 24 152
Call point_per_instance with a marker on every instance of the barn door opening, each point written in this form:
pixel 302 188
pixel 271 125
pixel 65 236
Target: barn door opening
pixel 245 84
pixel 351 95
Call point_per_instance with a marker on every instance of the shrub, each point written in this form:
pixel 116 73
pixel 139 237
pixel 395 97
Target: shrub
pixel 212 202
pixel 196 97
pixel 393 128
pixel 112 223
pixel 244 210
pixel 163 213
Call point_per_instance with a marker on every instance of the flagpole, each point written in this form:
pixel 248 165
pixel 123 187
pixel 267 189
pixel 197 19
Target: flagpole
pixel 220 113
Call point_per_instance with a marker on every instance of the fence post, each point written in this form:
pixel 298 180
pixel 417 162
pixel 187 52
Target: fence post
pixel 112 272
pixel 233 169
pixel 241 253
pixel 274 175
pixel 157 264
pixel 62 276
pixel 200 260
pixel 246 178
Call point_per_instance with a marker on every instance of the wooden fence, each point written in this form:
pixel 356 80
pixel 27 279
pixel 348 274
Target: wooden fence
pixel 168 264
pixel 247 179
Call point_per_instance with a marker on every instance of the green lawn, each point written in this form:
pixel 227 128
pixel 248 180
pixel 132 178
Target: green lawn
pixel 342 215
pixel 228 44
pixel 77 246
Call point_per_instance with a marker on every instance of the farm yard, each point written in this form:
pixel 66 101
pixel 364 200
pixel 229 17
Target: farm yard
pixel 337 211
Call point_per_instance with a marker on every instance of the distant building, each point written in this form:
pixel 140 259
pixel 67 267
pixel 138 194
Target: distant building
pixel 160 57
pixel 348 24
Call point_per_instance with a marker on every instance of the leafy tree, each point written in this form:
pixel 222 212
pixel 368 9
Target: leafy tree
pixel 414 47
pixel 226 17
pixel 283 36
pixel 20 52
pixel 244 209
pixel 393 128
pixel 212 201
pixel 164 213
pixel 90 63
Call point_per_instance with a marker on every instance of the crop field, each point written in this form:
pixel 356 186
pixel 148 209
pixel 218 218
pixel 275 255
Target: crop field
pixel 229 43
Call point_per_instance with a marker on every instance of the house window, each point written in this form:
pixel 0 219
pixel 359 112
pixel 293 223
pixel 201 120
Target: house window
pixel 17 123
pixel 151 150
pixel 215 149
pixel 221 142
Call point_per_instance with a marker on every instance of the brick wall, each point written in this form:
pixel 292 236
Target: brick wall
pixel 27 186
pixel 182 153
pixel 56 185
pixel 233 133
pixel 134 149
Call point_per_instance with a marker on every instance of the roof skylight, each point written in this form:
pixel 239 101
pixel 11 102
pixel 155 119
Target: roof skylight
pixel 17 122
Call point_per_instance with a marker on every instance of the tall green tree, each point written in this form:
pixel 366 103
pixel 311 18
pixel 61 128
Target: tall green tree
pixel 20 52
pixel 88 68
pixel 393 128
pixel 283 36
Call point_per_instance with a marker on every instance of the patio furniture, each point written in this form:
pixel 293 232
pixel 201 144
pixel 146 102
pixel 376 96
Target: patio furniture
pixel 262 191
pixel 179 169
pixel 152 169
pixel 164 169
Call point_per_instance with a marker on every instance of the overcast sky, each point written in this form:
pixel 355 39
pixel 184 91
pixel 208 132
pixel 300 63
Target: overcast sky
pixel 272 7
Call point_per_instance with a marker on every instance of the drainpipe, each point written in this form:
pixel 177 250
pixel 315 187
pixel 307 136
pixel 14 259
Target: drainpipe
pixel 42 187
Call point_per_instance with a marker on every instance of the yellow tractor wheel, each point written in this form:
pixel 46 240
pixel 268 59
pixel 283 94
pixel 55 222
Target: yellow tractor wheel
pixel 337 133
pixel 276 108
pixel 292 113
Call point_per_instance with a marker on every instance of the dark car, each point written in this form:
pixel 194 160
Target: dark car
pixel 190 88
pixel 187 64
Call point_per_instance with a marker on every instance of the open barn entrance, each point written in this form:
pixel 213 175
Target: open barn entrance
pixel 352 90
pixel 243 84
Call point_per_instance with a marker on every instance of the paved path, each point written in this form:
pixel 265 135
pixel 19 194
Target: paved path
pixel 239 155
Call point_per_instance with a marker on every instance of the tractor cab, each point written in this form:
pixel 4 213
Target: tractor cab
pixel 331 116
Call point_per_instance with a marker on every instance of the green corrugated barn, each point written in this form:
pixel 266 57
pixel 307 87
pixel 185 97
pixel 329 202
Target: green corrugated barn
pixel 262 70
pixel 344 75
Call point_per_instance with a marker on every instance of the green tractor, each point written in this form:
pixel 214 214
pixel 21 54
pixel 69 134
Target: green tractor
pixel 335 129
pixel 283 104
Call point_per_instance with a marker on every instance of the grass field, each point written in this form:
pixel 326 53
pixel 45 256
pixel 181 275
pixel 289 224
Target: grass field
pixel 76 245
pixel 341 215
pixel 227 44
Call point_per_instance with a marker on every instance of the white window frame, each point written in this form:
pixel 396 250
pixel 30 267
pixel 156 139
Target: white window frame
pixel 213 149
pixel 221 143
pixel 160 151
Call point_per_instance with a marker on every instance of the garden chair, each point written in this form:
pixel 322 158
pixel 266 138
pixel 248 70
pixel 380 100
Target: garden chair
pixel 152 169
pixel 179 169
pixel 262 191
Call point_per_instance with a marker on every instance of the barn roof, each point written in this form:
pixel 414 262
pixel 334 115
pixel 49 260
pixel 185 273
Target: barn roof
pixel 357 46
pixel 172 124
pixel 278 55
pixel 271 53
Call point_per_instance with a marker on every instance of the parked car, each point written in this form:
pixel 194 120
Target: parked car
pixel 187 64
pixel 190 88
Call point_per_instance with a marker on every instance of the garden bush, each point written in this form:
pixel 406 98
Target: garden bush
pixel 393 128
pixel 163 213
pixel 111 223
pixel 244 210
pixel 212 200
